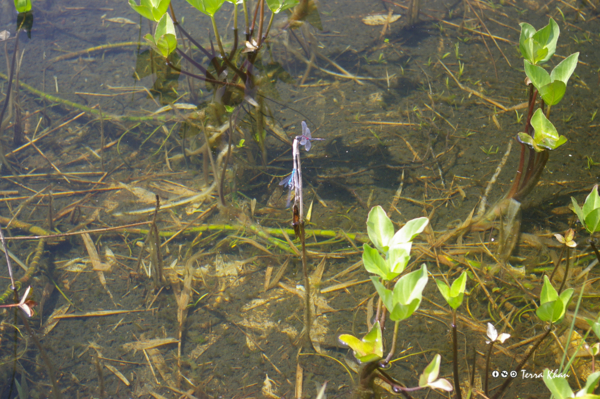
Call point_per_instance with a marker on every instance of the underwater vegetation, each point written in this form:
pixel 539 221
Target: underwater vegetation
pixel 245 198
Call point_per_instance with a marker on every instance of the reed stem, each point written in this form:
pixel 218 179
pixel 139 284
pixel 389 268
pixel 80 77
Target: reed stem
pixel 307 310
pixel 455 356
pixel 595 250
pixel 562 252
pixel 566 271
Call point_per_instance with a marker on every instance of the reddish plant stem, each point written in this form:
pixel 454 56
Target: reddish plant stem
pixel 520 181
pixel 532 154
pixel 261 22
pixel 254 20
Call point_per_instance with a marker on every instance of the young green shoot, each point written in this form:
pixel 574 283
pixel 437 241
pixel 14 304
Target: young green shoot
pixel 552 305
pixel 381 143
pixel 429 377
pixel 23 6
pixel 589 213
pixel 369 348
pixel 590 162
pixel 519 117
pixel 545 136
pixel 562 15
pixel 394 246
pixel 489 151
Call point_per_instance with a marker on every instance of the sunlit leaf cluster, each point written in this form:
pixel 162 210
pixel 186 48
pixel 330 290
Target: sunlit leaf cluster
pixel 537 47
pixel 395 247
pixel 552 305
pixel 589 214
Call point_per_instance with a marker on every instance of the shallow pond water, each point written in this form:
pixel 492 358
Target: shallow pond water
pixel 415 119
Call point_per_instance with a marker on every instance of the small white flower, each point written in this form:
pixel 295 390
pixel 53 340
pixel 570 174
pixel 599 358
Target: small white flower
pixel 492 334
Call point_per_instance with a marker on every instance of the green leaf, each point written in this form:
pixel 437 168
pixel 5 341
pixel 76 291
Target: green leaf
pixel 151 9
pixel 444 289
pixel 592 201
pixel 547 37
pixel 558 386
pixel 431 372
pixel 565 69
pixel 559 311
pixel 527 139
pixel 143 10
pixel 548 294
pixel 407 294
pixel 409 232
pixel 379 228
pixel 545 135
pixel 164 36
pixel 23 6
pixel 551 86
pixel 208 7
pixel 538 75
pixel 370 348
pixel 546 311
pixel 403 311
pixel 385 294
pixel 527 31
pixel 592 221
pixel 276 6
pixel 595 325
pixel 459 285
pixel 397 259
pixel 538 46
pixel 590 384
pixel 453 295
pixel 579 212
pixel 374 263
pixel 553 307
pixel 589 214
pixel 554 92
pixel 429 377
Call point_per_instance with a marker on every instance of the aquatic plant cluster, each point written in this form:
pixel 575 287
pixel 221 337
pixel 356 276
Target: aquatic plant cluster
pixel 537 47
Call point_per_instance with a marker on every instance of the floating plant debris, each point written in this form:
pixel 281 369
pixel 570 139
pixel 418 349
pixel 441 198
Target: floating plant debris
pixel 380 19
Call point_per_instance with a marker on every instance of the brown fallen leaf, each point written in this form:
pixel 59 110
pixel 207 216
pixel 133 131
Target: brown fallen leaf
pixel 117 373
pixel 149 343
